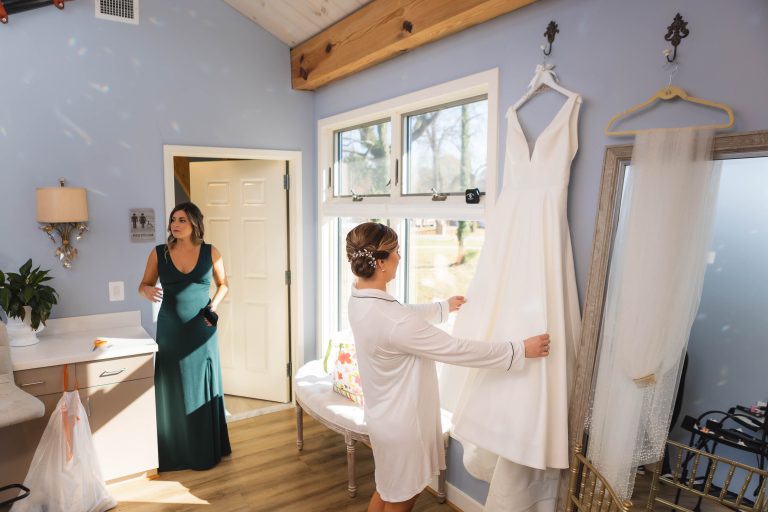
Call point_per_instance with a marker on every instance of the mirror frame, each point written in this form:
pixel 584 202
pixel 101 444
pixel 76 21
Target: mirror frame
pixel 744 144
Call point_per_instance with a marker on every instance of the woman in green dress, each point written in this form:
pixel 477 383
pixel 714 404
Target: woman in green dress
pixel 191 427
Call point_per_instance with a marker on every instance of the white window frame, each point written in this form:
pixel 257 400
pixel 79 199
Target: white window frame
pixel 396 207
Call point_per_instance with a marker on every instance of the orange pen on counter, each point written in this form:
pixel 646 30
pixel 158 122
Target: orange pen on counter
pixel 98 343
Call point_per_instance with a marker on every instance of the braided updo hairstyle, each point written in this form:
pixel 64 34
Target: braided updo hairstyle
pixel 368 243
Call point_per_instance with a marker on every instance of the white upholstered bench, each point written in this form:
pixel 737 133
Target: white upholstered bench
pixel 315 396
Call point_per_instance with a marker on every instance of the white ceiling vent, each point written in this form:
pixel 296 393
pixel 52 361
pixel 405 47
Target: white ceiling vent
pixel 126 11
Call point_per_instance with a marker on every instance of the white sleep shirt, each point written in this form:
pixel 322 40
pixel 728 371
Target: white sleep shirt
pixel 396 352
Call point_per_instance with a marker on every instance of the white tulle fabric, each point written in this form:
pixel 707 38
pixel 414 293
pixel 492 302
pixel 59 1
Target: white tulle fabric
pixel 656 276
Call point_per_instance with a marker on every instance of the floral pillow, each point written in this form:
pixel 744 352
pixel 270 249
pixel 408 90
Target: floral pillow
pixel 345 374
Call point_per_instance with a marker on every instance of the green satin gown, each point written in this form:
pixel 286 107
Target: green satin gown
pixel 191 427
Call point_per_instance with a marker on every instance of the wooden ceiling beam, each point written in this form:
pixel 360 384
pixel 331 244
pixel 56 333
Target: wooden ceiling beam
pixel 384 29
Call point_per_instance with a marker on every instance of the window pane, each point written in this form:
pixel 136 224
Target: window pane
pixel 362 158
pixel 441 257
pixel 446 149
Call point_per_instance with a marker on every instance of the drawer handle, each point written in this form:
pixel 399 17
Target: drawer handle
pixel 24 385
pixel 107 373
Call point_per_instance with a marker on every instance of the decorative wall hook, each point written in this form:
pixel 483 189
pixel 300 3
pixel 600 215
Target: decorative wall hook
pixel 676 32
pixel 550 35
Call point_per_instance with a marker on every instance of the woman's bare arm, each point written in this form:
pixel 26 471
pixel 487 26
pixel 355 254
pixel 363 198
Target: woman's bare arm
pixel 148 288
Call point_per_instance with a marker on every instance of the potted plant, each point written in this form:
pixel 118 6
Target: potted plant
pixel 27 302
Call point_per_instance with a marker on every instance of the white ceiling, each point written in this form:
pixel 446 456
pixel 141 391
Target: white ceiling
pixel 295 21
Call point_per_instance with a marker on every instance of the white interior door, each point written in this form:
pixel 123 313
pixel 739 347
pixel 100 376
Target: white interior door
pixel 245 208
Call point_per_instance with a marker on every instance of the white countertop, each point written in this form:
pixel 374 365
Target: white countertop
pixel 70 340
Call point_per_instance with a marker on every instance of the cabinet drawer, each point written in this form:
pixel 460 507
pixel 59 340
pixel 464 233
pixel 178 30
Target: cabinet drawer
pixel 110 371
pixel 43 381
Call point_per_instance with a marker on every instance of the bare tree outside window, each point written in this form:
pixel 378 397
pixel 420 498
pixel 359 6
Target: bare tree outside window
pixel 446 149
pixel 363 158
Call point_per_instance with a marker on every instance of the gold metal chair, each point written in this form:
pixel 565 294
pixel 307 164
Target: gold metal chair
pixel 588 490
pixel 685 480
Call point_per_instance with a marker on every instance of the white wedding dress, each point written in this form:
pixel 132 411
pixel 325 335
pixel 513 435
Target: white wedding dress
pixel 525 285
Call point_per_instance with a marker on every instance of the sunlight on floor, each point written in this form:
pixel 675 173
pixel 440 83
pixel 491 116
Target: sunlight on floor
pixel 154 491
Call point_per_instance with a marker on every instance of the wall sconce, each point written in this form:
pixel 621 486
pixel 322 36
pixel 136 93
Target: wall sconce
pixel 63 210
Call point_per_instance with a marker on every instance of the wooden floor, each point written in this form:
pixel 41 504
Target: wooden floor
pixel 266 473
pixel 239 407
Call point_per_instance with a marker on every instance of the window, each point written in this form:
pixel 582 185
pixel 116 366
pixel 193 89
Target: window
pixel 445 148
pixel 362 154
pixel 407 162
pixel 441 257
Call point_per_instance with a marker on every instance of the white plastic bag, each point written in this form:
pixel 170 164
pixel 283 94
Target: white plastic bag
pixel 65 475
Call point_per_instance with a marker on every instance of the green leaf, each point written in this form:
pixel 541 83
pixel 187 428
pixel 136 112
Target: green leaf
pixel 5 298
pixel 29 292
pixel 24 270
pixel 35 322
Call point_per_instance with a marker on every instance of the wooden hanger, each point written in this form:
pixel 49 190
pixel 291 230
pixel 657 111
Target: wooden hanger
pixel 669 93
pixel 544 76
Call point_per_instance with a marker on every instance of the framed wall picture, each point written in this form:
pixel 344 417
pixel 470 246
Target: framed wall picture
pixel 142 224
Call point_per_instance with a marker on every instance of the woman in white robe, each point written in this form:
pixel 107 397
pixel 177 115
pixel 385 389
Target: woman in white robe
pixel 396 352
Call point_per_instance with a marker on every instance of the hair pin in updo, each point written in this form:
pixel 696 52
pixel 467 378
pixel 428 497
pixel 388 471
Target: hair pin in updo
pixel 365 253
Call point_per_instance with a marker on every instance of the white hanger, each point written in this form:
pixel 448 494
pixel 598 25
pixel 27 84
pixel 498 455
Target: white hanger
pixel 671 92
pixel 544 76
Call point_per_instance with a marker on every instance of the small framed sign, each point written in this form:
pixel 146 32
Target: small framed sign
pixel 142 224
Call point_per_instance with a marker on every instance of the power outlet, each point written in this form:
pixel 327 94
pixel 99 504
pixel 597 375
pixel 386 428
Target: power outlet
pixel 116 291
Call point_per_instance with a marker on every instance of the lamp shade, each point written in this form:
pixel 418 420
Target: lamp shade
pixel 62 204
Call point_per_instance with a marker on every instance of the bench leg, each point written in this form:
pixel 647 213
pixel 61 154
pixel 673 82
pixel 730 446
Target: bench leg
pixel 441 496
pixel 352 486
pixel 299 427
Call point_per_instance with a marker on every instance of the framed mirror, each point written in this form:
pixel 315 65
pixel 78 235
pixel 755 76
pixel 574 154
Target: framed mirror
pixel 726 367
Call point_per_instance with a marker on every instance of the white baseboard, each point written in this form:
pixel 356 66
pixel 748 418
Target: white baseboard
pixel 258 412
pixel 458 498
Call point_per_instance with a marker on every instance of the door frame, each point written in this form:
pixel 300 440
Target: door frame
pixel 295 229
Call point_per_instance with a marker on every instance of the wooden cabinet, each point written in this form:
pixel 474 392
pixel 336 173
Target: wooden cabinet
pixel 18 443
pixel 122 420
pixel 119 398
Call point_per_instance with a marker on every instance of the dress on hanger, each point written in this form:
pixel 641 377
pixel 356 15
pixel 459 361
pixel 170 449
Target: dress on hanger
pixel 525 285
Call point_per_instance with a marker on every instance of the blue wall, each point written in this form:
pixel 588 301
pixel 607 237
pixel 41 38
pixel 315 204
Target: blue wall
pixel 95 101
pixel 611 52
